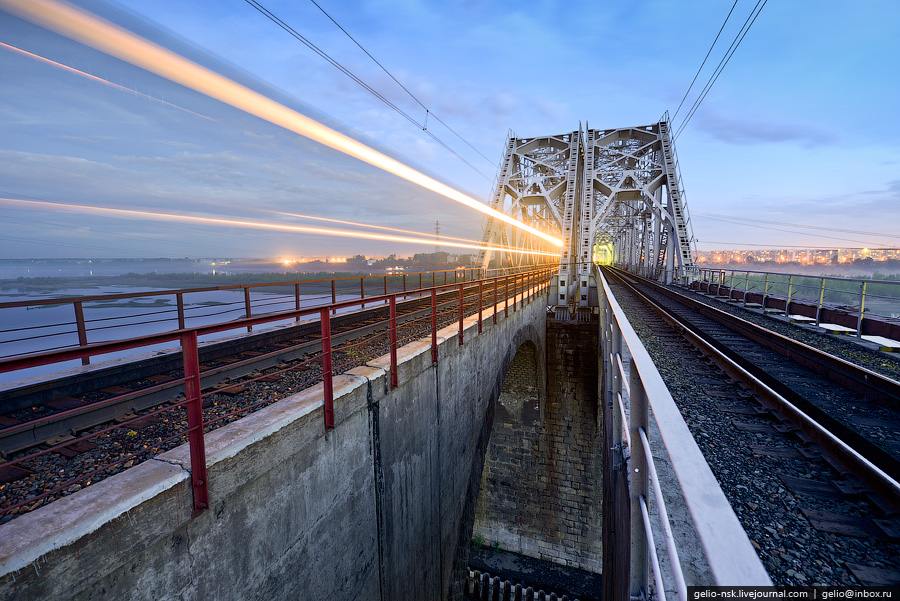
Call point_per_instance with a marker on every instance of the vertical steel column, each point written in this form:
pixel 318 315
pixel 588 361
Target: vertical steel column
pixel 746 288
pixel 461 314
pixel 731 286
pixel 327 371
pixel 480 303
pixel 82 329
pixel 362 291
pixel 194 407
pixel 787 304
pixel 434 325
pixel 821 300
pixel 639 418
pixel 404 282
pixel 496 285
pixel 765 293
pixel 297 299
pixel 333 296
pixel 862 308
pixel 247 306
pixel 506 295
pixel 385 285
pixel 420 280
pixel 515 291
pixel 179 300
pixel 393 322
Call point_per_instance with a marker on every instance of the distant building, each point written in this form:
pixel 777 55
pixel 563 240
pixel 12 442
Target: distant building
pixel 810 256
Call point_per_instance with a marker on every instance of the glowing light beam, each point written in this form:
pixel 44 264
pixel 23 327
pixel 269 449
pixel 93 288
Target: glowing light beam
pixel 89 29
pixel 377 227
pixel 323 231
pixel 111 84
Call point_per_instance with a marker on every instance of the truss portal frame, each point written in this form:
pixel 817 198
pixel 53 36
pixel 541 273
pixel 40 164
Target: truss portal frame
pixel 617 188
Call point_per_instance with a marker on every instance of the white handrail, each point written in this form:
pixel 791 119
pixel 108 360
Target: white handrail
pixel 727 549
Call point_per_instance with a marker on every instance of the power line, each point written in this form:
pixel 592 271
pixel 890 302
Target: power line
pixel 761 245
pixel 738 38
pixel 411 95
pixel 809 227
pixel 337 65
pixel 776 229
pixel 704 60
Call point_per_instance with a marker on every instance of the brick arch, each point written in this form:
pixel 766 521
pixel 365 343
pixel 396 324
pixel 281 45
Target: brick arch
pixel 539 489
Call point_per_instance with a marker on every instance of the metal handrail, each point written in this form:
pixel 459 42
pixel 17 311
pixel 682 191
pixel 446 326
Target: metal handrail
pixel 522 287
pixel 727 549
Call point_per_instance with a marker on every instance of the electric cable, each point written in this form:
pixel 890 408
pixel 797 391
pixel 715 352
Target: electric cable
pixel 739 37
pixel 405 89
pixel 704 60
pixel 337 65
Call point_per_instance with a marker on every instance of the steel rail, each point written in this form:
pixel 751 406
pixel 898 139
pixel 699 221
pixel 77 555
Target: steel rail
pixel 875 468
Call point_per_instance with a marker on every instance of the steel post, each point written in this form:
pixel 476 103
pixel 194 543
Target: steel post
pixel 434 355
pixel 179 300
pixel 461 314
pixel 496 285
pixel 506 295
pixel 247 306
pixel 862 308
pixel 327 371
pixel 639 418
pixel 821 300
pixel 194 407
pixel 362 291
pixel 393 323
pixel 480 303
pixel 787 304
pixel 82 329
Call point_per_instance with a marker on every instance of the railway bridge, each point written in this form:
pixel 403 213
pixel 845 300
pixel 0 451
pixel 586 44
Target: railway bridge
pixel 449 439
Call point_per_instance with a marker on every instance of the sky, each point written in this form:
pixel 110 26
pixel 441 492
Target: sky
pixel 796 144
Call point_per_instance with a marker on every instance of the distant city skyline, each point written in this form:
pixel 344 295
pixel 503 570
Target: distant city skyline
pixel 808 256
pixel 796 143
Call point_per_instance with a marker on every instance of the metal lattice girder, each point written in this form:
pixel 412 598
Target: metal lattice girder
pixel 595 186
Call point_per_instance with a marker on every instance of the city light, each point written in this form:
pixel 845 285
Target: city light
pixel 88 29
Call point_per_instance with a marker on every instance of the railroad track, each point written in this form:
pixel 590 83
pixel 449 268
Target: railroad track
pixel 806 446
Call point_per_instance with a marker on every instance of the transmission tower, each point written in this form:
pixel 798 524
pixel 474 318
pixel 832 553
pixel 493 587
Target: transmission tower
pixel 437 236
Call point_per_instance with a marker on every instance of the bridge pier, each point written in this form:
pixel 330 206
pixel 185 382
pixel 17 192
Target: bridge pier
pixel 541 484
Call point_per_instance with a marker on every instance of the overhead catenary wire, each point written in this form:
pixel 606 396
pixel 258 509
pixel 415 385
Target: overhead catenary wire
pixel 428 112
pixel 693 81
pixel 738 38
pixel 776 229
pixel 737 219
pixel 337 65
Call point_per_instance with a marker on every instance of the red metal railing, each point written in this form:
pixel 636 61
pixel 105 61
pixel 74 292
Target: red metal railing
pixel 192 307
pixel 453 300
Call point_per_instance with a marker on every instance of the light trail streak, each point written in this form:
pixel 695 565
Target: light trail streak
pixel 378 227
pixel 116 41
pixel 48 61
pixel 218 221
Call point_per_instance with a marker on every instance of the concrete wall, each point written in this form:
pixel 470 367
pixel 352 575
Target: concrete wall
pixel 375 509
pixel 541 490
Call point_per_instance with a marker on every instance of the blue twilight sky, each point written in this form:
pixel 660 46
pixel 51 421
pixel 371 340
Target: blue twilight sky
pixel 801 128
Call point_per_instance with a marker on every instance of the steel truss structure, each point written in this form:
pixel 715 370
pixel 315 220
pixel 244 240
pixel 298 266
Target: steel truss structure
pixel 614 193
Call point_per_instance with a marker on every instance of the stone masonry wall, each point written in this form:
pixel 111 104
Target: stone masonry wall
pixel 540 492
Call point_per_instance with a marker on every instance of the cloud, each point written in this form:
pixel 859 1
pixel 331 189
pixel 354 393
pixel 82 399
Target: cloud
pixel 749 131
